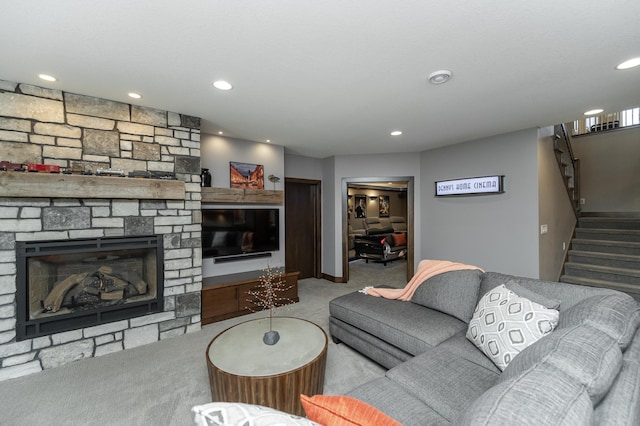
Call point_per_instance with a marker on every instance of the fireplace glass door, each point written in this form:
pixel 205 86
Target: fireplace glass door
pixel 65 285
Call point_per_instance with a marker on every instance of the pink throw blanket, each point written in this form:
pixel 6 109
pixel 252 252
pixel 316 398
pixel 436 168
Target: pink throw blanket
pixel 426 269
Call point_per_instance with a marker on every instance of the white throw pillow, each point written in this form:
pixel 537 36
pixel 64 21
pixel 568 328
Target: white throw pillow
pixel 232 413
pixel 504 323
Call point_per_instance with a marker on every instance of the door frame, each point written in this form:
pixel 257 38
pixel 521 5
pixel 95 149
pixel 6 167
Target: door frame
pixel 409 180
pixel 317 184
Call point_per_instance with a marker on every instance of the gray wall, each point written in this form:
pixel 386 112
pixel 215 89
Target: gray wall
pixel 331 235
pixel 334 205
pixel 494 232
pixel 610 169
pixel 297 166
pixel 554 208
pixel 216 153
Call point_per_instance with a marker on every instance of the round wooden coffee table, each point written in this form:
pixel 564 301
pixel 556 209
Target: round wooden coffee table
pixel 242 368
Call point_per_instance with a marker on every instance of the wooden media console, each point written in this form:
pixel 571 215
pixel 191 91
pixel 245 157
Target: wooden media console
pixel 228 296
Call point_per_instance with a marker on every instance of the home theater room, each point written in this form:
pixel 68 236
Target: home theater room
pixel 320 213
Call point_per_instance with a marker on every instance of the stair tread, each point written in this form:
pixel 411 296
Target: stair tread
pixel 600 254
pixel 611 214
pixel 600 283
pixel 609 223
pixel 620 218
pixel 609 230
pixel 607 242
pixel 609 269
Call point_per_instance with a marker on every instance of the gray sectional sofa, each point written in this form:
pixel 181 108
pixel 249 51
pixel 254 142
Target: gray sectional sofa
pixel 586 371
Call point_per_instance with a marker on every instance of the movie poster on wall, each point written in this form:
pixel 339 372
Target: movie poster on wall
pixel 361 206
pixel 246 175
pixel 383 206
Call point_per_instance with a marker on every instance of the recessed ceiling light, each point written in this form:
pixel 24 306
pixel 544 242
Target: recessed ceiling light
pixel 268 140
pixel 631 63
pixel 222 85
pixel 47 77
pixel 135 95
pixel 396 133
pixel 440 76
pixel 221 132
pixel 593 111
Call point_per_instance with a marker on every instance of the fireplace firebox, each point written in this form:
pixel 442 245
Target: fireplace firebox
pixel 73 284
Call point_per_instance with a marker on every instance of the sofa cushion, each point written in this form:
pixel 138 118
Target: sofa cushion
pixel 382 352
pixel 374 223
pixel 406 325
pixel 542 396
pixel 618 315
pixel 445 382
pixel 379 230
pixel 584 353
pixel 454 293
pixel 357 226
pixel 460 346
pixel 232 413
pixel 394 400
pixel 399 239
pixel 568 294
pixel 504 323
pixel 540 299
pixel 344 411
pixel 622 404
pixel 398 223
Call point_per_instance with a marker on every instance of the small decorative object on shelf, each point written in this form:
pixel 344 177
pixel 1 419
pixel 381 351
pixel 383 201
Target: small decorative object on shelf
pixel 205 177
pixel 9 166
pixel 267 297
pixel 110 172
pixel 275 179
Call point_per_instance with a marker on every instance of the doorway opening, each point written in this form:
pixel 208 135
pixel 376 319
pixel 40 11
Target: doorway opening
pixel 375 206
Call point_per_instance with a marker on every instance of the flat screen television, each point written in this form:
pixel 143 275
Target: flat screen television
pixel 230 233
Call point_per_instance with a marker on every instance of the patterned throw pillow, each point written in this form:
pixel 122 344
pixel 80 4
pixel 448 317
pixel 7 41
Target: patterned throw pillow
pixel 504 323
pixel 232 413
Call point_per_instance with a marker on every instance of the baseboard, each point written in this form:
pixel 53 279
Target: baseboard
pixel 340 280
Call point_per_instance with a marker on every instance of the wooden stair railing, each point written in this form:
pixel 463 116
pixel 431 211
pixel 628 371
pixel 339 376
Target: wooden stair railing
pixel 569 166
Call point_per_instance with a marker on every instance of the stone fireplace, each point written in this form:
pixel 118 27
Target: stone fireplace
pixel 95 298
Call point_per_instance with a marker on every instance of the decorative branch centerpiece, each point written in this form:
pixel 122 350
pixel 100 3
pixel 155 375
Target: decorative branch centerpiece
pixel 268 297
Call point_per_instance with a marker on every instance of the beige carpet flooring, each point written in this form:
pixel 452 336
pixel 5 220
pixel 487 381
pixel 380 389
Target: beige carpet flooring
pixel 157 384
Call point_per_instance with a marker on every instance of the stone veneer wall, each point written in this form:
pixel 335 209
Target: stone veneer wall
pixel 40 125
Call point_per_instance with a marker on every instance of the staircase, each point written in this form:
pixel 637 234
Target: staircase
pixel 605 252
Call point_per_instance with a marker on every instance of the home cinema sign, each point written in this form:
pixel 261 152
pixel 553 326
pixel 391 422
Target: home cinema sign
pixel 484 185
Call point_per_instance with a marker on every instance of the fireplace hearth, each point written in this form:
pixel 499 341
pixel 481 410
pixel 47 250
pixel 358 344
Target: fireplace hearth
pixel 73 284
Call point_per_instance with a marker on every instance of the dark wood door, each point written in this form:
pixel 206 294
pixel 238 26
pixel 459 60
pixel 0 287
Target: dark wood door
pixel 302 227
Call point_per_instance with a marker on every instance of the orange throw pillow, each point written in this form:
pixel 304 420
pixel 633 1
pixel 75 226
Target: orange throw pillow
pixel 343 411
pixel 400 239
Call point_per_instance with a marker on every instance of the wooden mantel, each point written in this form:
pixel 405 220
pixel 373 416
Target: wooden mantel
pixel 241 196
pixel 49 185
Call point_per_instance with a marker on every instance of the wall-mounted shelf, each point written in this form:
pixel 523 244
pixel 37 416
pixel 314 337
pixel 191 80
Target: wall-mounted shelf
pixel 241 196
pixel 50 185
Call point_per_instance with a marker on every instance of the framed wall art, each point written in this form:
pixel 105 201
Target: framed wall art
pixel 246 175
pixel 360 208
pixel 383 206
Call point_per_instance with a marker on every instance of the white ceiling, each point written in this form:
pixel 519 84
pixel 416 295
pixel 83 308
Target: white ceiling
pixel 335 77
